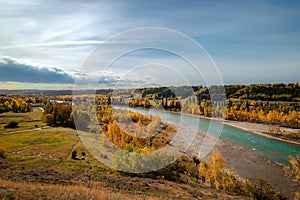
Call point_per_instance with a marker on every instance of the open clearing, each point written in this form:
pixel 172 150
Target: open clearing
pixel 28 120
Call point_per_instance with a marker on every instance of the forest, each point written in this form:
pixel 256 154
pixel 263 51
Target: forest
pixel 16 104
pixel 277 104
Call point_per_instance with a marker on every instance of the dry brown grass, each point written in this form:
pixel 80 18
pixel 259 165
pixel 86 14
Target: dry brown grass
pixel 25 190
pixel 37 165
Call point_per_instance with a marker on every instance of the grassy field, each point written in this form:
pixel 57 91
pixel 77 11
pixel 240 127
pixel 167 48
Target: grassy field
pixel 38 165
pixel 26 121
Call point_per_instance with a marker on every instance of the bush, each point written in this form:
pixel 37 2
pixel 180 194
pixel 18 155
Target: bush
pixel 2 153
pixel 74 155
pixel 12 125
pixel 293 171
pixel 260 189
pixel 48 119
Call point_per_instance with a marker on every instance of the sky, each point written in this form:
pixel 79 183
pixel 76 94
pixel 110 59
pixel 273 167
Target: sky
pixel 47 44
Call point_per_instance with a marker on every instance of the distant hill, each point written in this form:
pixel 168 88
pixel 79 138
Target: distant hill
pixel 51 92
pixel 263 92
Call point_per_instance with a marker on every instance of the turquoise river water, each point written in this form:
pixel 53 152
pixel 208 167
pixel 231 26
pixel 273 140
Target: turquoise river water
pixel 272 149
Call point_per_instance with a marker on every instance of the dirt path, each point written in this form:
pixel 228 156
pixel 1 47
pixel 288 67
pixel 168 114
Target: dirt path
pixel 28 130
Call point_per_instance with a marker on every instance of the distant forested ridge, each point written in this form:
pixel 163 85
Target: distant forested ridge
pixel 25 92
pixel 265 92
pixel 262 92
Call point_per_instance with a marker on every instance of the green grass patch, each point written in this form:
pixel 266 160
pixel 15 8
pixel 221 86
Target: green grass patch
pixel 23 126
pixel 35 115
pixel 29 120
pixel 52 149
pixel 41 138
pixel 48 141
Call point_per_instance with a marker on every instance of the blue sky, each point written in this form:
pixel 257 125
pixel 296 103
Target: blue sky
pixel 44 43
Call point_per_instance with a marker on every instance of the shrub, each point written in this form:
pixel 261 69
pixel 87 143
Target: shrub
pixel 12 125
pixel 48 119
pixel 74 155
pixel 292 135
pixel 2 153
pixel 260 189
pixel 293 171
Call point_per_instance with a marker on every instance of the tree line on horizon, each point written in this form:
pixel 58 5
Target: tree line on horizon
pixel 262 92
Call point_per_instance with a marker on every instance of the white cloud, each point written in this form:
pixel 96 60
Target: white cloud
pixel 62 34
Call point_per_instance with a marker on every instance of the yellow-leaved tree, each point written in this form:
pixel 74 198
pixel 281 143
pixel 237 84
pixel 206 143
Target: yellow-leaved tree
pixel 293 171
pixel 215 173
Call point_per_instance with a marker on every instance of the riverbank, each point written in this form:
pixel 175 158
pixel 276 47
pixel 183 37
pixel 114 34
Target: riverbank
pixel 252 127
pixel 261 129
pixel 245 162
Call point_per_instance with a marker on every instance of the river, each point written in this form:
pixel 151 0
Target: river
pixel 277 151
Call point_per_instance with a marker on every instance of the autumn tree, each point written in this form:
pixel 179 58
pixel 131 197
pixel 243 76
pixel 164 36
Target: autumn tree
pixel 293 171
pixel 61 113
pixel 215 173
